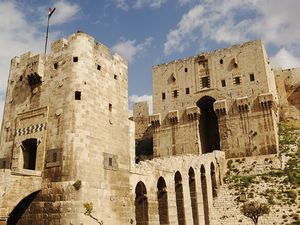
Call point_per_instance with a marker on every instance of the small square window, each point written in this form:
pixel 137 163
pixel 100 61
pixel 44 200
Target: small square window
pixel 77 95
pixel 223 82
pixel 163 96
pixel 98 67
pixel 75 59
pixel 110 161
pixel 175 93
pixel 115 77
pixel 55 65
pixel 237 80
pixel 251 76
pixel 185 70
pixel 187 91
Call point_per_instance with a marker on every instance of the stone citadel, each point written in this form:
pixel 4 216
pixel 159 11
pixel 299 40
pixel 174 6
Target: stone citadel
pixel 66 139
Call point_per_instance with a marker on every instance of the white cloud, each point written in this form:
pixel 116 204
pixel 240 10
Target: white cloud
pixel 143 98
pixel 122 4
pixel 231 21
pixel 185 27
pixel 138 4
pixel 150 3
pixel 285 59
pixel 129 49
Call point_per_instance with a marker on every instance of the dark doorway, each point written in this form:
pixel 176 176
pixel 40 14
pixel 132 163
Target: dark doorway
pixel 19 210
pixel 179 199
pixel 204 195
pixel 141 204
pixel 29 148
pixel 193 195
pixel 208 125
pixel 162 197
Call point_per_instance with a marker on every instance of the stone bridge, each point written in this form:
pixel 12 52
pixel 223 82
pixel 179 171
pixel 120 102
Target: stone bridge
pixel 15 186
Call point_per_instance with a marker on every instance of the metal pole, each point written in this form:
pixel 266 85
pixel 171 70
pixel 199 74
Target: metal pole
pixel 47 35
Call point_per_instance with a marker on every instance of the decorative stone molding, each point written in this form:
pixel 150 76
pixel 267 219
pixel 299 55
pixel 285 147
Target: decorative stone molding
pixel 193 112
pixel 243 104
pixel 173 116
pixel 220 107
pixel 155 119
pixel 266 100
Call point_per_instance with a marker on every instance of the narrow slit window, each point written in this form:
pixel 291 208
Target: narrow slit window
pixel 115 77
pixel 75 59
pixel 55 65
pixel 221 61
pixel 110 161
pixel 187 91
pixel 185 70
pixel 223 82
pixel 251 76
pixel 110 107
pixel 98 67
pixel 163 96
pixel 77 95
pixel 21 78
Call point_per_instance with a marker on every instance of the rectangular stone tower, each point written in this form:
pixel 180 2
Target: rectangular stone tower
pixel 223 100
pixel 66 120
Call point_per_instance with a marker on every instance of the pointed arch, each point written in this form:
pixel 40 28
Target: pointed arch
pixel 141 204
pixel 162 198
pixel 179 199
pixel 208 125
pixel 213 180
pixel 193 195
pixel 204 195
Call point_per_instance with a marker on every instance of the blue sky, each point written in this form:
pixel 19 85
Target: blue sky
pixel 149 32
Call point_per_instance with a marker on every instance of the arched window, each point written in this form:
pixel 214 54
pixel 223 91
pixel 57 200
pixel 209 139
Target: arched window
pixel 204 195
pixel 193 195
pixel 179 199
pixel 213 180
pixel 162 198
pixel 141 204
pixel 29 149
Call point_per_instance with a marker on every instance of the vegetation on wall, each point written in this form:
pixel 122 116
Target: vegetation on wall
pixel 277 187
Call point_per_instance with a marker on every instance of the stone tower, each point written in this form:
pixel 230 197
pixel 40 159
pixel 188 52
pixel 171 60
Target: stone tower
pixel 66 127
pixel 225 99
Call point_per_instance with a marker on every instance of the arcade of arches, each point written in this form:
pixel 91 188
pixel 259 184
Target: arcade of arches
pixel 198 198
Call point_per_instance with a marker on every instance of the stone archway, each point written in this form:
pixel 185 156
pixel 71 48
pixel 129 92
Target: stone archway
pixel 141 204
pixel 20 209
pixel 162 198
pixel 179 199
pixel 208 125
pixel 193 196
